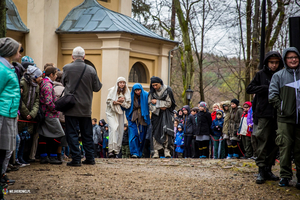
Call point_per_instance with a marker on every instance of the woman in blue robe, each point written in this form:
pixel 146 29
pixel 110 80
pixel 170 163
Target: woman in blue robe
pixel 138 120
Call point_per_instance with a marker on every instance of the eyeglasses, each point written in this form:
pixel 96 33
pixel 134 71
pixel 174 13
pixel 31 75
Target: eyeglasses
pixel 292 58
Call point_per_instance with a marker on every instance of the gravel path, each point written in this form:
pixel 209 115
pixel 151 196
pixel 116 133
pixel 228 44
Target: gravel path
pixel 147 179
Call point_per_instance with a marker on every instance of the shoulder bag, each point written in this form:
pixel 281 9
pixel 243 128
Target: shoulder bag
pixel 66 102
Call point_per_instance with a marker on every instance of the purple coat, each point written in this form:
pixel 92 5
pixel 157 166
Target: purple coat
pixel 250 119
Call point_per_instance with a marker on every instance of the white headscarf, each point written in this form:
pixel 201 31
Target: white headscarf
pixel 113 92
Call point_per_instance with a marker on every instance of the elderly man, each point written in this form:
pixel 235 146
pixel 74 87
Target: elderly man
pixel 162 103
pixel 80 114
pixel 284 95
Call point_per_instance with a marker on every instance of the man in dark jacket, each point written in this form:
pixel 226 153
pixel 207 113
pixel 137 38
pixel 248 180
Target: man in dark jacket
pixel 81 112
pixel 266 115
pixel 284 95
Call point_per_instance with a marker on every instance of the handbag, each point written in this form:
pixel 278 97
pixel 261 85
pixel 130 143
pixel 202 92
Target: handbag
pixel 66 102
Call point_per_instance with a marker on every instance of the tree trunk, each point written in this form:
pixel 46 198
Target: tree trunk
pixel 187 67
pixel 255 38
pixel 173 17
pixel 2 18
pixel 249 36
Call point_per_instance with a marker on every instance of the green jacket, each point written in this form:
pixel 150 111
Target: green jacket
pixel 25 111
pixel 283 91
pixel 9 92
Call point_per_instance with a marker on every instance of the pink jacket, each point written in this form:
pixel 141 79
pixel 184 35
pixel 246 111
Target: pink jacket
pixel 47 98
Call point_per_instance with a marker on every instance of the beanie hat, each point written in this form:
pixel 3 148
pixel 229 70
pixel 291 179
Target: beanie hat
pixel 180 126
pixel 235 101
pixel 220 112
pixel 27 59
pixel 34 72
pixel 247 103
pixel 8 47
pixel 203 104
pixel 106 125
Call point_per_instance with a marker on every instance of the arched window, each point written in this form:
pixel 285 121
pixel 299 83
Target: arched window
pixel 138 73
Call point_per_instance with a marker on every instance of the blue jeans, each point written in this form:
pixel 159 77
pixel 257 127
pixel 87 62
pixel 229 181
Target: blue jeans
pixel 65 151
pixel 86 129
pixel 17 145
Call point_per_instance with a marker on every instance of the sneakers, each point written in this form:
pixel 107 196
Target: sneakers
pixel 53 160
pixel 134 156
pixel 235 155
pixel 74 164
pixel 21 160
pixel 44 160
pixel 17 162
pixel 284 182
pixel 229 156
pixel 88 162
pixel 202 156
pixel 5 179
pixel 12 168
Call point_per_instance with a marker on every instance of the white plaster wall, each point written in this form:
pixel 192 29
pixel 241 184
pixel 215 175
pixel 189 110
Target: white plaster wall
pixel 42 20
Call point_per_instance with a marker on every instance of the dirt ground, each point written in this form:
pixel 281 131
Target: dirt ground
pixel 147 179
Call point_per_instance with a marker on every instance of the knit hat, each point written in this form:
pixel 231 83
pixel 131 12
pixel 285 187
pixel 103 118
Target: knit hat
pixel 235 101
pixel 180 126
pixel 106 125
pixel 27 59
pixel 34 72
pixel 8 47
pixel 203 104
pixel 220 112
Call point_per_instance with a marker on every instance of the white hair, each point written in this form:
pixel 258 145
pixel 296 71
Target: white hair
pixel 78 52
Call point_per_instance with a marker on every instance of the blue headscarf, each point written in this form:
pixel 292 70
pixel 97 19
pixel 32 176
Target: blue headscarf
pixel 143 102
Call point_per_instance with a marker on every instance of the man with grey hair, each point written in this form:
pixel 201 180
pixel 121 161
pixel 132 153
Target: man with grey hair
pixel 80 114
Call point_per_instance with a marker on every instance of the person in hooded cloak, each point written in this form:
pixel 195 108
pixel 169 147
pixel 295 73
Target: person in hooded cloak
pixel 138 120
pixel 117 101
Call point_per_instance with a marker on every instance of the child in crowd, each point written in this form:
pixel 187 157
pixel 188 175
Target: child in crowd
pixel 203 131
pixel 234 122
pixel 30 105
pixel 125 144
pixel 188 131
pixel 244 131
pixel 97 138
pixel 105 141
pixel 217 126
pixel 250 129
pixel 179 141
pixel 216 107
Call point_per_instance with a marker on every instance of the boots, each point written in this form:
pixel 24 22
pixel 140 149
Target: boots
pixel 261 176
pixel 54 160
pixel 167 153
pixel 155 155
pixel 44 160
pixel 59 157
pixel 270 175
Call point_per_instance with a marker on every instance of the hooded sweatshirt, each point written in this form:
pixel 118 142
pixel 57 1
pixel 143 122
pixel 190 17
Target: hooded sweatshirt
pixel 283 92
pixel 260 86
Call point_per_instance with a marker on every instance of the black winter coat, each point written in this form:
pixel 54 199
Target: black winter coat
pixel 260 86
pixel 204 122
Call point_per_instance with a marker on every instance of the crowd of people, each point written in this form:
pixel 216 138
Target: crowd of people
pixel 32 127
